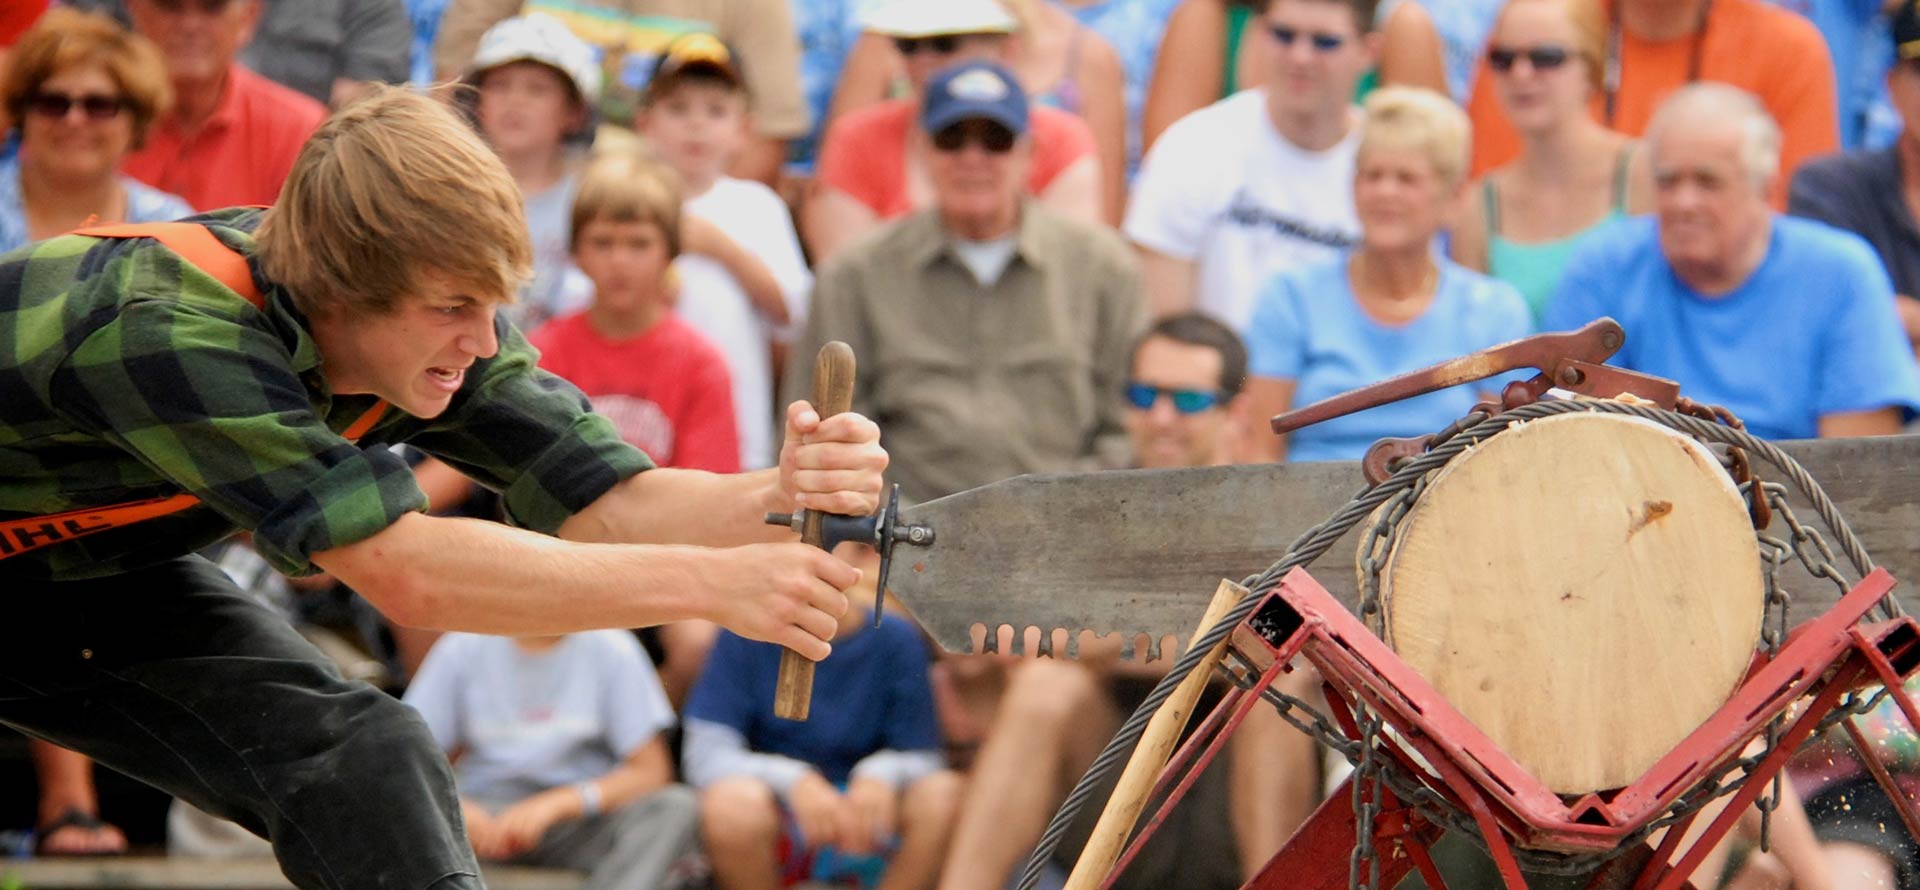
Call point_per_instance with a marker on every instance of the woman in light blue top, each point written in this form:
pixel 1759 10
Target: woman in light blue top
pixel 83 91
pixel 1572 176
pixel 1391 306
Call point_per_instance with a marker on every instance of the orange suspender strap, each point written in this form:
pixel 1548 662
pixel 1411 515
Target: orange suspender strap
pixel 209 254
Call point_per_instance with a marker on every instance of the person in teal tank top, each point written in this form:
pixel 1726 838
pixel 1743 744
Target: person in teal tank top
pixel 1572 176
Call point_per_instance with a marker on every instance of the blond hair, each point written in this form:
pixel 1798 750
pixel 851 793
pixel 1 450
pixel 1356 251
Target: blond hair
pixel 1589 23
pixel 629 187
pixel 67 38
pixel 388 187
pixel 1422 120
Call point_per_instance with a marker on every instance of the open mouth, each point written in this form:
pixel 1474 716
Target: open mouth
pixel 447 378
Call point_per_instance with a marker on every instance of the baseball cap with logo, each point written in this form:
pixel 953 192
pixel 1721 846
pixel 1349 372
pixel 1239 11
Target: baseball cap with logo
pixel 1906 31
pixel 536 37
pixel 977 90
pixel 695 54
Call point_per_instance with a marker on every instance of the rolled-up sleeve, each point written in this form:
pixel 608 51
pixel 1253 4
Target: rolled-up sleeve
pixel 213 405
pixel 531 436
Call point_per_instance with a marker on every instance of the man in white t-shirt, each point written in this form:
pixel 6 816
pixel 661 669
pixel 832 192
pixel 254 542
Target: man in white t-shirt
pixel 1262 180
pixel 558 753
pixel 740 254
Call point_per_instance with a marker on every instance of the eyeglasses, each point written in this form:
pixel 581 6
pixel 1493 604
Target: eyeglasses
pixel 939 44
pixel 1321 40
pixel 1542 58
pixel 1186 401
pixel 984 133
pixel 57 106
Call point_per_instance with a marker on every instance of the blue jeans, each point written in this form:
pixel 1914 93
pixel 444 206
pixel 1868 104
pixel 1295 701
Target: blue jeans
pixel 173 676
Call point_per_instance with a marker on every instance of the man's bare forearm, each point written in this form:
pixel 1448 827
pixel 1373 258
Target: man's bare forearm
pixel 668 506
pixel 483 577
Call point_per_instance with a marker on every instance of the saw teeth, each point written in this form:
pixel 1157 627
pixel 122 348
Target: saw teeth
pixel 1153 650
pixel 1126 649
pixel 1045 649
pixel 1017 646
pixel 991 643
pixel 1073 645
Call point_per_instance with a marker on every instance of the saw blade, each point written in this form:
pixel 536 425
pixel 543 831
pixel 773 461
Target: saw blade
pixel 1044 561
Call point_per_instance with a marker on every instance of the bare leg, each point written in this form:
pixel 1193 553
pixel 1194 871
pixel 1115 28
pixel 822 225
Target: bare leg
pixel 1052 722
pixel 66 785
pixel 1275 780
pixel 740 827
pixel 927 810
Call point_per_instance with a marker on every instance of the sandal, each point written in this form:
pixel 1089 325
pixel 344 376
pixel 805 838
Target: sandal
pixel 73 817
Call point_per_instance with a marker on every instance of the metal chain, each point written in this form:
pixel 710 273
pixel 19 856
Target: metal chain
pixel 1366 802
pixel 1809 548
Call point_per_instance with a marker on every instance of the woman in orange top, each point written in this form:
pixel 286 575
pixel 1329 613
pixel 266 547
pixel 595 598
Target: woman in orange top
pixel 1656 46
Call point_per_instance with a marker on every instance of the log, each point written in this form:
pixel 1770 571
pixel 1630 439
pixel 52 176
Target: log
pixel 1586 589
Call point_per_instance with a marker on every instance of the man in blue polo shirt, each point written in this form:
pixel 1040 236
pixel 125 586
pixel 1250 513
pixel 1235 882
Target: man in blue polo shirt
pixel 1788 323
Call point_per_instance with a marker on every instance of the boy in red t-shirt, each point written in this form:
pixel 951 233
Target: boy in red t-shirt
pixel 663 385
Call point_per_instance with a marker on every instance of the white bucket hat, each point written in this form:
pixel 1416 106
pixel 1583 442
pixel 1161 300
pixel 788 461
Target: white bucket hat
pixel 536 37
pixel 932 18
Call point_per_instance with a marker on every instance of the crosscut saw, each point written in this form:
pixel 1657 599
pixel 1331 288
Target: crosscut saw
pixel 1035 563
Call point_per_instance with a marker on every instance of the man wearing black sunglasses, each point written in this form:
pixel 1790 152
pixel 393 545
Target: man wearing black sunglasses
pixel 992 332
pixel 1260 181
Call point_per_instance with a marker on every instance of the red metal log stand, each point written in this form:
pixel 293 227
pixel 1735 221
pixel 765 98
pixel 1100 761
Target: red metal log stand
pixel 1427 740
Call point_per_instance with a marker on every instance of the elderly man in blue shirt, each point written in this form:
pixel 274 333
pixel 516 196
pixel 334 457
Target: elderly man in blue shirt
pixel 1787 322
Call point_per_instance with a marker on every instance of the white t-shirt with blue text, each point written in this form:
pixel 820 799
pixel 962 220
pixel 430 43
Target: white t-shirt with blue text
pixel 1308 328
pixel 530 721
pixel 1223 189
pixel 1811 332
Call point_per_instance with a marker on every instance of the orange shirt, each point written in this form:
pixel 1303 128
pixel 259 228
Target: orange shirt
pixel 865 152
pixel 1770 52
pixel 240 155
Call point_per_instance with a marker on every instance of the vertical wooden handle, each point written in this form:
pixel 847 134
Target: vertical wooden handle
pixel 832 394
pixel 1150 755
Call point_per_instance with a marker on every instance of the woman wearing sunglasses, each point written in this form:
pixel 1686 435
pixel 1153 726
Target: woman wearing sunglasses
pixel 1521 223
pixel 81 91
pixel 1391 305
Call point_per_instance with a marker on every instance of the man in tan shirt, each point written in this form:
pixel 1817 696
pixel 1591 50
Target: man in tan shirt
pixel 759 31
pixel 991 334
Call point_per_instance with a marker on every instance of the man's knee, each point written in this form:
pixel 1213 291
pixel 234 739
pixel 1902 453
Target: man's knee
pixel 931 801
pixel 1046 695
pixel 738 810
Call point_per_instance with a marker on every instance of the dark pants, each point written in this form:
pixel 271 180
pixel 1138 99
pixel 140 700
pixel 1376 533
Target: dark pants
pixel 175 677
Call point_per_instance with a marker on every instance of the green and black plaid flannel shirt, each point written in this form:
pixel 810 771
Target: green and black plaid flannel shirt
pixel 126 374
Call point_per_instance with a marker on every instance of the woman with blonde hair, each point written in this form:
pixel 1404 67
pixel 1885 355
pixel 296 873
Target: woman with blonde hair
pixel 82 92
pixel 1390 306
pixel 1522 221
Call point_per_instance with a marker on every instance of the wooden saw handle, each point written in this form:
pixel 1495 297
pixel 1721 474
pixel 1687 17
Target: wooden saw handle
pixel 832 394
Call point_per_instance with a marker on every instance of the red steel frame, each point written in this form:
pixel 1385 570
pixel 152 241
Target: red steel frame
pixel 1820 661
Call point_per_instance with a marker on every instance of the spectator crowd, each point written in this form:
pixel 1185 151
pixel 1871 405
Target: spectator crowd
pixel 1059 235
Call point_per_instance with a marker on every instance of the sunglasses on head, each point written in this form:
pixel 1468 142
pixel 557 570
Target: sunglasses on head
pixel 1186 401
pixel 1542 58
pixel 939 44
pixel 986 134
pixel 1321 40
pixel 59 105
